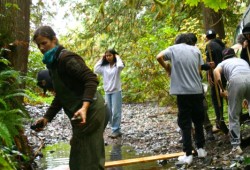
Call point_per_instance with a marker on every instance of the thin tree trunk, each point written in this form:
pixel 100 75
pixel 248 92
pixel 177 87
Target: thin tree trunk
pixel 213 20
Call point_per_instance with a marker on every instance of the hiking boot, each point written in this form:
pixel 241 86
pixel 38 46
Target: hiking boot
pixel 186 159
pixel 209 135
pixel 236 151
pixel 201 153
pixel 115 134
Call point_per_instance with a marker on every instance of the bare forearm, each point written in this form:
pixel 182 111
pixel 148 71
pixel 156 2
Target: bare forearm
pixel 166 66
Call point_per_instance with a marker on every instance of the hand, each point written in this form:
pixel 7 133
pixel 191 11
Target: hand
pixel 82 112
pixel 39 124
pixel 224 94
pixel 211 64
pixel 245 104
pixel 117 56
pixel 245 44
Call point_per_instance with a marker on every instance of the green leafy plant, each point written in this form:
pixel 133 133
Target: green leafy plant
pixel 12 112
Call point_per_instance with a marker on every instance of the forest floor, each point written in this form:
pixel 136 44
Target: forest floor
pixel 151 130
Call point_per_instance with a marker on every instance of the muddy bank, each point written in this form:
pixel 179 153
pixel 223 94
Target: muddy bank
pixel 148 129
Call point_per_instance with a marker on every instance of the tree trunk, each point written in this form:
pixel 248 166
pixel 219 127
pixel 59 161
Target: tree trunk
pixel 14 31
pixel 213 20
pixel 14 38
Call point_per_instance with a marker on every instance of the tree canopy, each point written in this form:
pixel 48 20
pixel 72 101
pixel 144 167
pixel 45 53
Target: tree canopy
pixel 138 30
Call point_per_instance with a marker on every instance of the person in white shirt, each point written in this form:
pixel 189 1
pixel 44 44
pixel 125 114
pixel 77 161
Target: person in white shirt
pixel 110 67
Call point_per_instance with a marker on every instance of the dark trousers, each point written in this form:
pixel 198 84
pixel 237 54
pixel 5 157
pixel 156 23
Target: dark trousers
pixel 217 109
pixel 207 123
pixel 190 109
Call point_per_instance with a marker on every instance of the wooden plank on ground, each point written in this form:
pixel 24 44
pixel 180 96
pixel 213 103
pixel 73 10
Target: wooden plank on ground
pixel 141 160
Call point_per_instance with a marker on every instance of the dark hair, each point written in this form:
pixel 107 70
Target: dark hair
pixel 193 38
pixel 113 52
pixel 45 31
pixel 228 53
pixel 240 39
pixel 182 38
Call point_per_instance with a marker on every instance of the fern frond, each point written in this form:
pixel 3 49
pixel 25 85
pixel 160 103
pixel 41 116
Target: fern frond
pixel 5 134
pixel 16 95
pixel 9 74
pixel 6 162
pixel 3 103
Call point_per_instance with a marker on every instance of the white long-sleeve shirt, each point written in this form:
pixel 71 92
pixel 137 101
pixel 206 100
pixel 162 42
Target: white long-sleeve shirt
pixel 111 75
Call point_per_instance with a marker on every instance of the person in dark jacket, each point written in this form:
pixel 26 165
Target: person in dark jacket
pixel 44 81
pixel 245 54
pixel 75 86
pixel 214 50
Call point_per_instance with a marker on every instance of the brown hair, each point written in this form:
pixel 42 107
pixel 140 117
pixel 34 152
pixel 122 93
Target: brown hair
pixel 45 31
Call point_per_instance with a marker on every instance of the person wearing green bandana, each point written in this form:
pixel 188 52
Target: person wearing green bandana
pixel 75 86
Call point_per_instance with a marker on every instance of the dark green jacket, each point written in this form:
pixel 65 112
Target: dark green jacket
pixel 76 76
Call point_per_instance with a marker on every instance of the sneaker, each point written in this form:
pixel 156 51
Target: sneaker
pixel 236 151
pixel 201 153
pixel 116 134
pixel 210 136
pixel 180 140
pixel 186 159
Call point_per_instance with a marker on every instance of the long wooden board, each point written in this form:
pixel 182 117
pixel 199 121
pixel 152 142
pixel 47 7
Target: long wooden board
pixel 142 159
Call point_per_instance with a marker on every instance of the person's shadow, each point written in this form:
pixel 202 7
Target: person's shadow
pixel 116 154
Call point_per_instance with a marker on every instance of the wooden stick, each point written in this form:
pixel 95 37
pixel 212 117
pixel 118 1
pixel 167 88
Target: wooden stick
pixel 215 84
pixel 38 150
pixel 142 159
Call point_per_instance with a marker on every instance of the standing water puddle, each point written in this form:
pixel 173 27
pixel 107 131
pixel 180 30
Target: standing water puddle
pixel 57 155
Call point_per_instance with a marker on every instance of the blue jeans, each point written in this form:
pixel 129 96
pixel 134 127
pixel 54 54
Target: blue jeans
pixel 114 101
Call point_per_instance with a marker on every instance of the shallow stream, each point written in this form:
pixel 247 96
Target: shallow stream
pixel 57 155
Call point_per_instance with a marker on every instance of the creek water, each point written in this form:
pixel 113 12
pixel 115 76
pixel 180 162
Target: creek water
pixel 57 155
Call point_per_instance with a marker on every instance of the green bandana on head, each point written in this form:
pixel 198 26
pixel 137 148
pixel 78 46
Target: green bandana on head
pixel 49 56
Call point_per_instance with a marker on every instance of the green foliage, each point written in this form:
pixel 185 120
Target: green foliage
pixel 34 66
pixel 35 98
pixel 10 118
pixel 214 4
pixel 246 160
pixel 12 113
pixel 5 161
pixel 138 30
pixel 32 90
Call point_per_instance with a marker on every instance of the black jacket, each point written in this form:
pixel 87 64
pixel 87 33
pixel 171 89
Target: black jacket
pixel 216 46
pixel 244 52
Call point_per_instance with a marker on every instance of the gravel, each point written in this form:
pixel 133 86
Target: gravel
pixel 149 129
